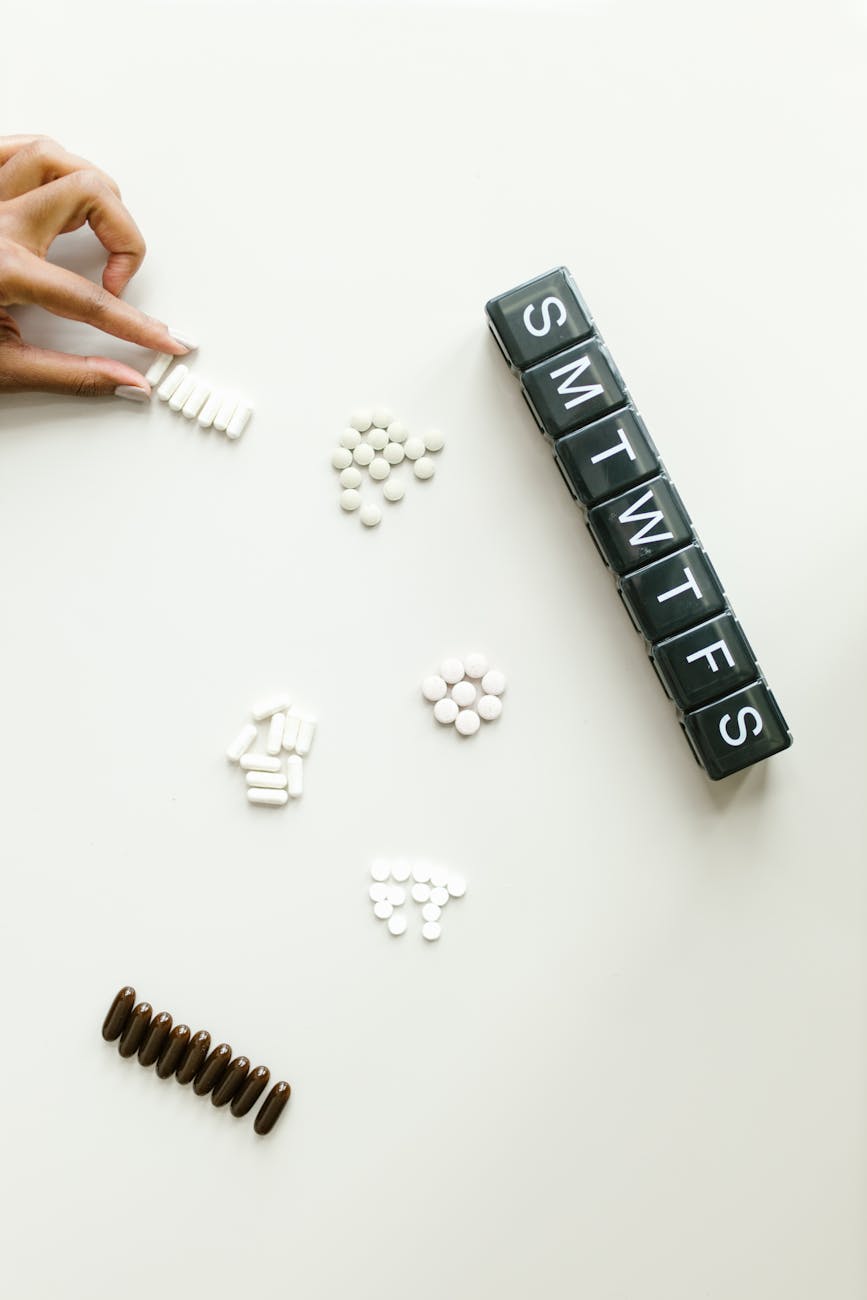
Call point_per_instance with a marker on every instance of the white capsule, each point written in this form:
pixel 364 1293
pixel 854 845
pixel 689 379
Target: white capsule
pixel 475 666
pixel 263 709
pixel 341 458
pixel 438 876
pixel 414 448
pixel 431 912
pixel 493 682
pixel 431 930
pixel 295 775
pixel 241 743
pixel 306 732
pixel 420 892
pixel 445 711
pixel 172 382
pixel 456 885
pixel 158 367
pixel 379 870
pixel 379 469
pixel 382 417
pixel 239 420
pixel 434 441
pixel 397 924
pixel 370 515
pixel 275 798
pixel 396 895
pixel 183 391
pixel 208 413
pixel 350 438
pixel 291 729
pixel 424 468
pixel 467 722
pixel 267 780
pixel 401 872
pixel 397 431
pixel 350 499
pixel 259 762
pixel 393 490
pixel 433 688
pixel 393 453
pixel 363 454
pixel 383 910
pixel 489 708
pixel 275 733
pixel 464 694
pixel 224 415
pixel 421 873
pixel 350 477
pixel 439 895
pixel 452 671
pixel 196 401
pixel 361 420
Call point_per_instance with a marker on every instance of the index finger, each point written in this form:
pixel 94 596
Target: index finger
pixel 11 144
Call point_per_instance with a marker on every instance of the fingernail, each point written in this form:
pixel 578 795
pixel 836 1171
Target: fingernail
pixel 132 394
pixel 184 341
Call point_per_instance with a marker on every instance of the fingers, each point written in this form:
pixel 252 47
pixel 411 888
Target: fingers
pixel 38 161
pixel 10 144
pixel 27 369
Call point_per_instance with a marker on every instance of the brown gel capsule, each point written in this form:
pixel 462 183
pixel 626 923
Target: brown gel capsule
pixel 251 1092
pixel 155 1038
pixel 272 1108
pixel 213 1070
pixel 173 1051
pixel 118 1014
pixel 137 1026
pixel 196 1053
pixel 231 1081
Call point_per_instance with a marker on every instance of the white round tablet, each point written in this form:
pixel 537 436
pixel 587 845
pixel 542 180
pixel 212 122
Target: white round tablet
pixel 489 707
pixel 464 694
pixel 456 885
pixel 378 892
pixel 397 924
pixel 350 477
pixel 379 870
pixel 397 431
pixel 414 448
pixel 378 439
pixel 452 670
pixel 350 438
pixel 379 468
pixel 421 873
pixel 420 892
pixel 433 688
pixel 361 420
pixel 393 490
pixel 434 440
pixel 439 895
pixel 424 468
pixel 445 711
pixel 350 499
pixel 439 875
pixel 475 666
pixel 393 453
pixel 382 417
pixel 382 910
pixel 493 682
pixel 396 895
pixel 467 722
pixel 431 930
pixel 401 872
pixel 341 457
pixel 363 454
pixel 431 912
pixel 370 515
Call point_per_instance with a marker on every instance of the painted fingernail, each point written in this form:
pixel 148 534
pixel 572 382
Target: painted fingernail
pixel 184 341
pixel 132 394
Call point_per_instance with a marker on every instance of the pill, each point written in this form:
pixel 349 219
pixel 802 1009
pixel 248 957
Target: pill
pixel 463 694
pixel 382 910
pixel 475 666
pixel 382 417
pixel 378 892
pixel 379 469
pixel 431 930
pixel 370 515
pixel 467 722
pixel 420 892
pixel 275 733
pixel 173 1052
pixel 363 454
pixel 350 499
pixel 434 440
pixel 445 711
pixel 393 453
pixel 489 707
pixel 451 670
pixel 239 420
pixel 291 729
pixel 295 775
pixel 306 732
pixel 421 872
pixel 135 1029
pixel 194 1057
pixel 438 876
pixel 414 448
pixel 172 382
pixel 361 420
pixel 224 415
pixel 433 688
pixel 397 924
pixel 213 1070
pixel 393 490
pixel 379 870
pixel 272 1108
pixel 158 367
pixel 396 895
pixel 208 413
pixel 232 1081
pixel 456 884
pixel 431 912
pixel 424 468
pixel 255 762
pixel 350 477
pixel 266 708
pixel 397 431
pixel 251 1091
pixel 155 1039
pixel 276 798
pixel 439 895
pixel 184 390
pixel 350 438
pixel 378 439
pixel 267 780
pixel 242 742
pixel 400 872
pixel 196 401
pixel 493 682
pixel 118 1013
pixel 341 458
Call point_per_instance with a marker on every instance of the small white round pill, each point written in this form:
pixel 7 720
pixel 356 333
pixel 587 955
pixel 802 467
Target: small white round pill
pixel 464 694
pixel 361 420
pixel 439 876
pixel 475 666
pixel 379 469
pixel 434 440
pixel 467 722
pixel 414 448
pixel 420 892
pixel 439 895
pixel 397 431
pixel 489 708
pixel 494 682
pixel 433 688
pixel 378 439
pixel 421 873
pixel 396 895
pixel 424 468
pixel 341 457
pixel 431 912
pixel 456 885
pixel 452 670
pixel 350 499
pixel 393 453
pixel 397 924
pixel 382 417
pixel 363 454
pixel 379 870
pixel 350 438
pixel 370 515
pixel 383 910
pixel 446 711
pixel 350 477
pixel 401 872
pixel 378 892
pixel 431 930
pixel 393 490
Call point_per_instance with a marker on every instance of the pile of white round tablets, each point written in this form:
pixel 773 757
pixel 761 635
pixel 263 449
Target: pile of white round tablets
pixel 376 443
pixel 198 399
pixel 268 783
pixel 431 887
pixel 465 693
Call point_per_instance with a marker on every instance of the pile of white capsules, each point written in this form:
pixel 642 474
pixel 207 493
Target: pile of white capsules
pixel 267 782
pixel 431 888
pixel 376 442
pixel 197 399
pixel 465 693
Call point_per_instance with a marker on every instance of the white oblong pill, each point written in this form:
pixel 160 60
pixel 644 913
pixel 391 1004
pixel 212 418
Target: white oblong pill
pixel 438 876
pixel 431 930
pixel 341 458
pixel 350 438
pixel 350 499
pixel 433 688
pixel 397 924
pixel 464 694
pixel 382 417
pixel 439 895
pixel 227 409
pixel 158 367
pixel 295 775
pixel 363 454
pixel 183 391
pixel 396 895
pixel 393 453
pixel 239 420
pixel 420 892
pixel 378 892
pixel 266 708
pixel 370 515
pixel 493 682
pixel 456 885
pixel 397 431
pixel 361 420
pixel 452 671
pixel 424 468
pixel 431 912
pixel 267 780
pixel 445 711
pixel 401 872
pixel 383 910
pixel 275 798
pixel 378 439
pixel 241 743
pixel 290 730
pixel 421 873
pixel 172 382
pixel 275 733
pixel 306 732
pixel 380 870
pixel 489 708
pixel 475 666
pixel 414 448
pixel 467 722
pixel 393 490
pixel 350 477
pixel 259 762
pixel 379 469
pixel 196 401
pixel 208 413
pixel 434 440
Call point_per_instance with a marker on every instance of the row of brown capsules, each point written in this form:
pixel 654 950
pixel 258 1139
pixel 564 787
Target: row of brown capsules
pixel 177 1051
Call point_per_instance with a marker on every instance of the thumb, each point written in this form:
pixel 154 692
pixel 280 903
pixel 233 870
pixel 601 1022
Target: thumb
pixel 26 369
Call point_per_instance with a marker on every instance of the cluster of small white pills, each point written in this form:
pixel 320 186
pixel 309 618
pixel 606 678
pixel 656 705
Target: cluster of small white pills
pixel 376 442
pixel 430 887
pixel 267 782
pixel 465 693
pixel 197 399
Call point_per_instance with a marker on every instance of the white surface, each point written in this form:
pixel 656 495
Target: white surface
pixel 643 1079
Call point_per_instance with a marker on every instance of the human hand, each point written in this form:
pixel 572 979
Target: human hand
pixel 46 192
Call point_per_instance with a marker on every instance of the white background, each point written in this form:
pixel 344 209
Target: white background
pixel 634 1067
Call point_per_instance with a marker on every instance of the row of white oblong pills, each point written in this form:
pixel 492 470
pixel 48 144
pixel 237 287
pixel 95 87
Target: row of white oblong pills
pixel 267 783
pixel 197 399
pixel 432 887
